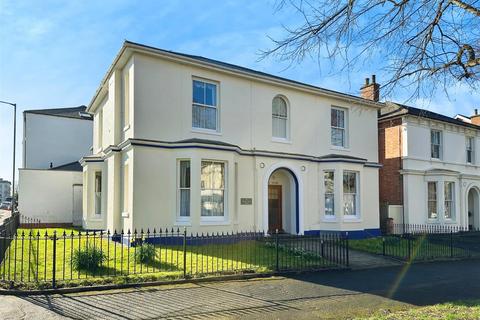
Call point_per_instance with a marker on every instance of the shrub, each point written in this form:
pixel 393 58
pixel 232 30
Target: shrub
pixel 88 259
pixel 145 253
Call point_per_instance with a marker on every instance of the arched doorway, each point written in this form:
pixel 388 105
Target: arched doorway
pixel 473 209
pixel 283 211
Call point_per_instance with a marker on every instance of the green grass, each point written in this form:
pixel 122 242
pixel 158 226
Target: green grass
pixel 421 248
pixel 464 310
pixel 32 261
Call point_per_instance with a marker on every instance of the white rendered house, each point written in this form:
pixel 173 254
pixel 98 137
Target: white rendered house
pixel 50 182
pixel 431 167
pixel 182 140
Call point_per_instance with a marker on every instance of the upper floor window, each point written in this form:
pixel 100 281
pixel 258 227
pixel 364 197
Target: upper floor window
pixel 470 149
pixel 205 105
pixel 338 127
pixel 212 184
pixel 279 118
pixel 350 193
pixel 329 193
pixel 436 144
pixel 449 193
pixel 432 200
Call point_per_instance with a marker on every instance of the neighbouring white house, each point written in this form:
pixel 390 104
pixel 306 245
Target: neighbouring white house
pixel 431 168
pixel 50 182
pixel 182 140
pixel 5 189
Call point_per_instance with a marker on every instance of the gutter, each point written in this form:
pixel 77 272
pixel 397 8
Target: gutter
pixel 135 47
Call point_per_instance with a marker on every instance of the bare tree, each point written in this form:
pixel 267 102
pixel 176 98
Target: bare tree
pixel 414 41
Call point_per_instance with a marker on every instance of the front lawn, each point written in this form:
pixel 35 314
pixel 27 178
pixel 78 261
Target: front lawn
pixel 420 247
pixel 34 258
pixel 467 310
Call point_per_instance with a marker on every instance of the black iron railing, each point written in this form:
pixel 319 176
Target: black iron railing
pixel 39 255
pixel 431 242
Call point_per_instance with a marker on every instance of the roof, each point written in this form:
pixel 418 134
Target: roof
pixel 72 112
pixel 392 110
pixel 226 66
pixel 72 166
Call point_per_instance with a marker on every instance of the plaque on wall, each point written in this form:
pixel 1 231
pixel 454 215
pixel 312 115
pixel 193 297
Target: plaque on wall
pixel 246 201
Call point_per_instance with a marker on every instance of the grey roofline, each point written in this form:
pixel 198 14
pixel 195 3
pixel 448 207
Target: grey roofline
pixel 57 112
pixel 423 113
pixel 227 67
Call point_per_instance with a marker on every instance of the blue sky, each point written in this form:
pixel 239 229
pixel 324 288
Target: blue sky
pixel 54 53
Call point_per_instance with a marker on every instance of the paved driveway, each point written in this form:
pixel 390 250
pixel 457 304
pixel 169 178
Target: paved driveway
pixel 325 295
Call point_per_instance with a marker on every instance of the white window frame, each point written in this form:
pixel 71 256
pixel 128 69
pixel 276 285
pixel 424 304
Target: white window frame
pixel 452 200
pixel 216 219
pixel 440 145
pixel 355 216
pixel 436 201
pixel 325 193
pixel 181 218
pixel 98 196
pixel 287 121
pixel 345 128
pixel 217 129
pixel 470 147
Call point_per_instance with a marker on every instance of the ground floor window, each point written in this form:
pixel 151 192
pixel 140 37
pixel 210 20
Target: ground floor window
pixel 212 181
pixel 449 192
pixel 350 193
pixel 184 188
pixel 328 177
pixel 432 200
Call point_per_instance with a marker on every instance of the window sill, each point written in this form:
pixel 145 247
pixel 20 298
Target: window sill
pixel 96 218
pixel 332 219
pixel 352 219
pixel 281 140
pixel 436 160
pixel 206 131
pixel 214 222
pixel 126 128
pixel 340 148
pixel 183 223
pixel 125 214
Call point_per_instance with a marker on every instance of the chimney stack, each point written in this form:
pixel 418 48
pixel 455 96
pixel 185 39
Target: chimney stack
pixel 475 118
pixel 370 91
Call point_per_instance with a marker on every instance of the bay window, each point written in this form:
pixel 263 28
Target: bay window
pixel 432 200
pixel 183 193
pixel 329 193
pixel 449 198
pixel 212 189
pixel 350 193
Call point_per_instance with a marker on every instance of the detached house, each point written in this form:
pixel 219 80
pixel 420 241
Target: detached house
pixel 430 172
pixel 182 140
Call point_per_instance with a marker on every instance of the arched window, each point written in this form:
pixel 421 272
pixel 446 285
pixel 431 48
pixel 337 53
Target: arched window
pixel 279 118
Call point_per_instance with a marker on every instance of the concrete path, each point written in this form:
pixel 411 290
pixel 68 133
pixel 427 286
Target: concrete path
pixel 324 295
pixel 364 260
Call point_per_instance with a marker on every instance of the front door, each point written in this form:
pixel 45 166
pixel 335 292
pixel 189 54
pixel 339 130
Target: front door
pixel 274 208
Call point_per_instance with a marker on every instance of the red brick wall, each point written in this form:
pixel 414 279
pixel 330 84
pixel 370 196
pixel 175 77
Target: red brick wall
pixel 390 156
